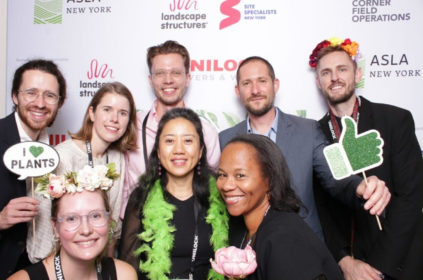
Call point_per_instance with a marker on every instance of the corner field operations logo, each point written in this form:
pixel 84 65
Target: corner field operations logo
pixel 48 11
pixel 227 8
pixel 183 14
pixel 378 11
pixel 96 76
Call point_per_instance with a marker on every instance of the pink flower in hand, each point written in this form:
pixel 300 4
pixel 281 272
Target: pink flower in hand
pixel 233 262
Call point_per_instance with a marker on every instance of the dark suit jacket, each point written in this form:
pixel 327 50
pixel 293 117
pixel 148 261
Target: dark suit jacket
pixel 301 142
pixel 286 248
pixel 12 240
pixel 398 249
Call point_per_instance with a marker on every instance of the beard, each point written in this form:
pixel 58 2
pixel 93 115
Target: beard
pixel 258 112
pixel 34 125
pixel 340 98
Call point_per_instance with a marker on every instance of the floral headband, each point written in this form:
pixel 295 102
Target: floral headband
pixel 350 47
pixel 89 178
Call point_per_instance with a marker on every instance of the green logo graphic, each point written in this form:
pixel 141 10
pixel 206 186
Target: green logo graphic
pixel 302 113
pixel 355 152
pixel 48 11
pixel 361 64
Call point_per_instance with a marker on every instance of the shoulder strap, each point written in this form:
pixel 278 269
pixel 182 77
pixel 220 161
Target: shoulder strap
pixel 144 143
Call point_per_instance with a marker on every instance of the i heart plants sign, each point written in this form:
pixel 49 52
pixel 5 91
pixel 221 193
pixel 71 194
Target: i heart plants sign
pixel 30 159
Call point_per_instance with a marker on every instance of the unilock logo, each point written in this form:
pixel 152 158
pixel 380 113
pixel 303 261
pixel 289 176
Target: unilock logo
pixel 48 11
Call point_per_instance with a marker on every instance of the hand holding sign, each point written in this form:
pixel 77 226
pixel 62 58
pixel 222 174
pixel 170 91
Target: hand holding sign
pixel 354 153
pixel 357 153
pixel 27 159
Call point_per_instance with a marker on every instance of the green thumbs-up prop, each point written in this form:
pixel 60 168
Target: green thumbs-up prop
pixel 355 153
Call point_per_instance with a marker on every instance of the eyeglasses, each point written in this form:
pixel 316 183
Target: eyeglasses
pixel 175 74
pixel 72 222
pixel 32 94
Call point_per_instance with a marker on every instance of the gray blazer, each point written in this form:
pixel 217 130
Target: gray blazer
pixel 301 142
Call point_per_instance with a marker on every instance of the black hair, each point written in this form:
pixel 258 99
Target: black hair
pixel 201 178
pixel 273 167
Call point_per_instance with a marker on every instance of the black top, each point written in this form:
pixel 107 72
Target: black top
pixel 397 250
pixel 184 222
pixel 38 271
pixel 286 248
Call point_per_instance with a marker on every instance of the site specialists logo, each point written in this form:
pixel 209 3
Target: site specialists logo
pixel 96 76
pixel 378 11
pixel 227 8
pixel 251 11
pixel 48 12
pixel 183 14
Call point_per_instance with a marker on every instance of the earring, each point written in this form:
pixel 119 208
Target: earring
pixel 198 168
pixel 160 170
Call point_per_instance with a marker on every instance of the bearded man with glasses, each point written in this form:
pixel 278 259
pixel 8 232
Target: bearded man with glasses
pixel 38 91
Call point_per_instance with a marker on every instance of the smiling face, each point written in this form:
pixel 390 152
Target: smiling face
pixel 169 78
pixel 110 118
pixel 87 241
pixel 336 76
pixel 179 148
pixel 38 114
pixel 256 88
pixel 241 182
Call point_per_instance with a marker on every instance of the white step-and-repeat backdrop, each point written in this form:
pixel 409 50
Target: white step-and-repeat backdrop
pixel 95 41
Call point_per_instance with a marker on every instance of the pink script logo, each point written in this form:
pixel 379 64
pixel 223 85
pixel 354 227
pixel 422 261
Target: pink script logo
pixel 99 72
pixel 233 14
pixel 182 5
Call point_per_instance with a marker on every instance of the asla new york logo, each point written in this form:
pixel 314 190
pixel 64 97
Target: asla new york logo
pixel 48 12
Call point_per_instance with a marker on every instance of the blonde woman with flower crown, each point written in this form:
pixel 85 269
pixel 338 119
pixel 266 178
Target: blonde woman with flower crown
pixel 175 219
pixel 80 217
pixel 108 130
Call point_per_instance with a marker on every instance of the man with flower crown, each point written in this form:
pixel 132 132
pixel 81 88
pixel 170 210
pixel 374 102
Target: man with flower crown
pixel 362 250
pixel 38 91
pixel 301 142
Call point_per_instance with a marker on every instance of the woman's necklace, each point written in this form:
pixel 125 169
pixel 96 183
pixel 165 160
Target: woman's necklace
pixel 251 240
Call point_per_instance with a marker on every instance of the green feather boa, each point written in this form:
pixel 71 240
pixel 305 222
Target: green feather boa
pixel 157 238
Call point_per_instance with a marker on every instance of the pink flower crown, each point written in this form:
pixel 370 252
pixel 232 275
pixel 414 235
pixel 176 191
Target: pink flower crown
pixel 351 47
pixel 89 178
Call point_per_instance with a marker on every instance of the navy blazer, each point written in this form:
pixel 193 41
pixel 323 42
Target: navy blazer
pixel 301 142
pixel 12 240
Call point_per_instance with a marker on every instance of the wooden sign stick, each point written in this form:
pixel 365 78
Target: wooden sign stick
pixel 377 217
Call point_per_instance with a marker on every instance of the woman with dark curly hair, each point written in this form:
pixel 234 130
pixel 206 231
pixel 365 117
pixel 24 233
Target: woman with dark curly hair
pixel 254 181
pixel 175 218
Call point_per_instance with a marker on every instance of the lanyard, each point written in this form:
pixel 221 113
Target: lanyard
pixel 195 244
pixel 333 124
pixel 144 143
pixel 59 272
pixel 90 154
